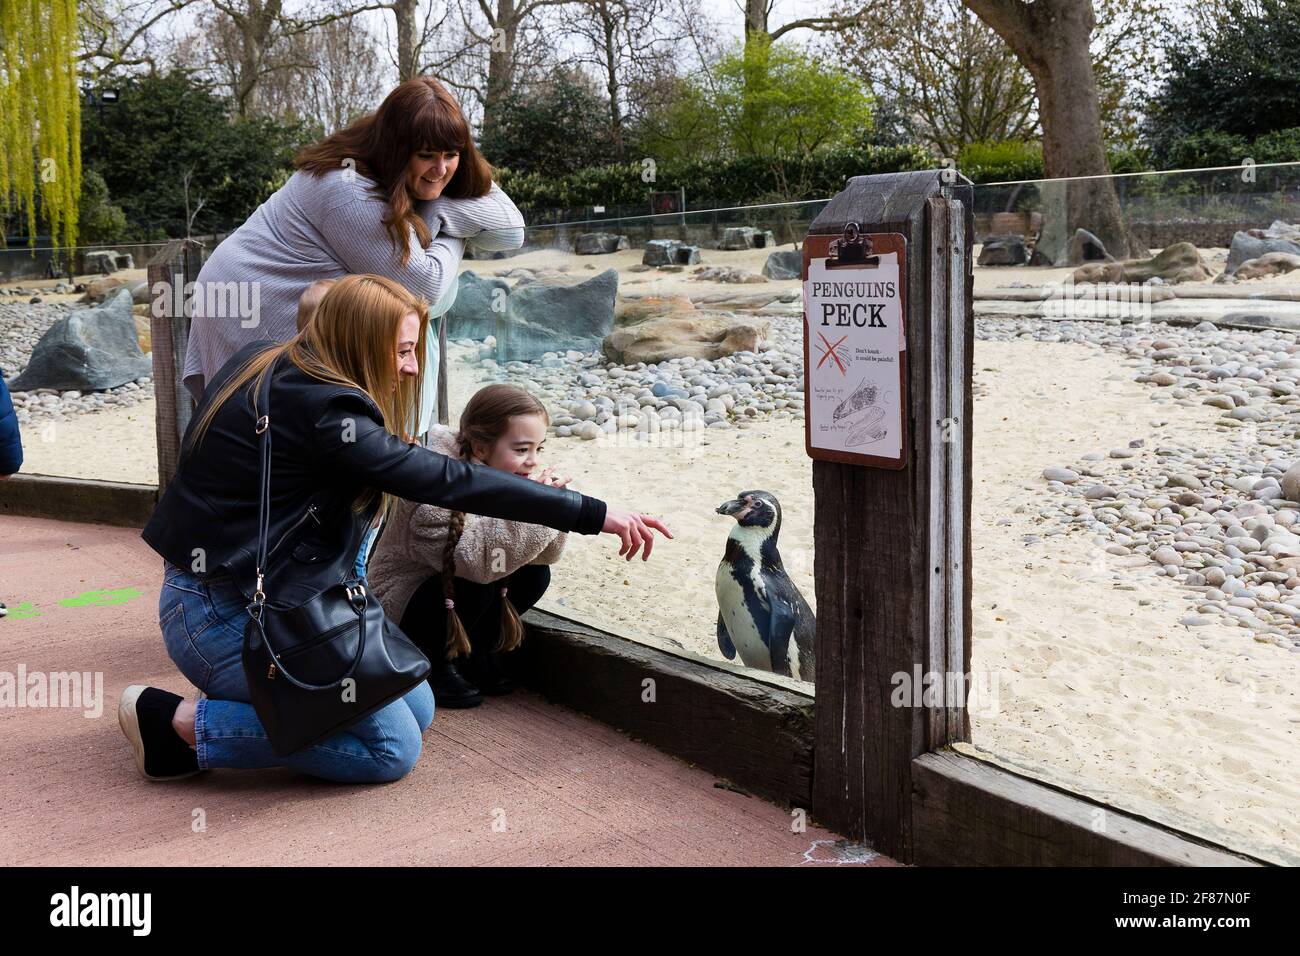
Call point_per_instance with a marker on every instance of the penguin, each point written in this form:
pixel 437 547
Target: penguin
pixel 761 614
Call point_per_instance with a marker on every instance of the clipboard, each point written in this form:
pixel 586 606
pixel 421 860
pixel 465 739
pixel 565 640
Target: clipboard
pixel 855 348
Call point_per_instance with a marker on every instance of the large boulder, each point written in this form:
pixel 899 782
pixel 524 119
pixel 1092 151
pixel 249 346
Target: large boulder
pixel 548 318
pixel 784 264
pixel 633 309
pixel 536 316
pixel 1270 264
pixel 1278 230
pixel 1246 246
pixel 599 243
pixel 104 261
pixel 669 252
pixel 703 335
pixel 747 237
pixel 1004 251
pixel 97 290
pixel 143 328
pixel 473 253
pixel 1180 262
pixel 1084 247
pixel 660 252
pixel 481 307
pixel 90 350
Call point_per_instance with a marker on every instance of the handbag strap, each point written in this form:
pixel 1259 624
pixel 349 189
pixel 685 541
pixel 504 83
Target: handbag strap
pixel 356 598
pixel 262 427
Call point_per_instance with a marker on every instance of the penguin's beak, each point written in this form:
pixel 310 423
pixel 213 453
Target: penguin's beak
pixel 730 507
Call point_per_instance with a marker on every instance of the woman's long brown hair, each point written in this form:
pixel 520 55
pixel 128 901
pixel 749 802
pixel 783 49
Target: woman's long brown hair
pixel 419 115
pixel 351 340
pixel 485 419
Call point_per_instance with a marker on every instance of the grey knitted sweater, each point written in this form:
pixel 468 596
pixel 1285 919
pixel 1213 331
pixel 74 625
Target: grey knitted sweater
pixel 329 226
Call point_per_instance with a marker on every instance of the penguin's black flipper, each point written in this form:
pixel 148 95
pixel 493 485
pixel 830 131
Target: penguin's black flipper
pixel 780 625
pixel 724 640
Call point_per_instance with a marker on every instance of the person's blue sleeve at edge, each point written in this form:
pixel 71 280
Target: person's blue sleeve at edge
pixel 11 446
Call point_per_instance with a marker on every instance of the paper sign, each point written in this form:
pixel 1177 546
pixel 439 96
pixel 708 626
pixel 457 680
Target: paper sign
pixel 855 347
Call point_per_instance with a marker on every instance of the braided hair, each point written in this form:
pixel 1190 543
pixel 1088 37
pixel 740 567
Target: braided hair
pixel 485 419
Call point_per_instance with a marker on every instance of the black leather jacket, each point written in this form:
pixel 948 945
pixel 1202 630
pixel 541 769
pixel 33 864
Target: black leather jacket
pixel 328 445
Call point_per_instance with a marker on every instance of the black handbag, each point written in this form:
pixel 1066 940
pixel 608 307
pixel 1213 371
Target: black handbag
pixel 316 667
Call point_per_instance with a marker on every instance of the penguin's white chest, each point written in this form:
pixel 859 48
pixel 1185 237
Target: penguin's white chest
pixel 737 617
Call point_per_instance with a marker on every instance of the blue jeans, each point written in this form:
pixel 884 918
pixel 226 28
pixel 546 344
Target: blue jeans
pixel 203 627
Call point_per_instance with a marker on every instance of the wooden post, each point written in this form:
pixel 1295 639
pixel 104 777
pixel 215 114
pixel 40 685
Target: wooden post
pixel 892 547
pixel 170 273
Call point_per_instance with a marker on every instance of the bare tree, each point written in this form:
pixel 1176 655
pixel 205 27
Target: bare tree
pixel 416 36
pixel 248 31
pixel 505 21
pixel 116 34
pixel 202 201
pixel 758 14
pixel 619 38
pixel 952 75
pixel 331 75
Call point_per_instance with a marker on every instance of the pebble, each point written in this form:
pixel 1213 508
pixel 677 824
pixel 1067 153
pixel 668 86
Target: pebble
pixel 1218 516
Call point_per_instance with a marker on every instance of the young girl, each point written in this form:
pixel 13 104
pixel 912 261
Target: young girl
pixel 456 583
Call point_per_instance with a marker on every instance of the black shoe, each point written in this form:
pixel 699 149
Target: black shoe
pixel 450 689
pixel 488 672
pixel 145 716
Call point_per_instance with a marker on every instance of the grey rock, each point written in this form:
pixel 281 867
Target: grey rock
pixel 747 237
pixel 1084 247
pixel 784 264
pixel 89 350
pixel 1245 246
pixel 599 243
pixel 538 317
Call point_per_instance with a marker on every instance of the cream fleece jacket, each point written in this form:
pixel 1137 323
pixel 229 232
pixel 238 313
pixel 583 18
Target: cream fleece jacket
pixel 410 548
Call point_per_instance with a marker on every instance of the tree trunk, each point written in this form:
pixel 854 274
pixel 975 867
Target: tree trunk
pixel 1051 38
pixel 755 19
pixel 255 31
pixel 612 84
pixel 501 54
pixel 407 56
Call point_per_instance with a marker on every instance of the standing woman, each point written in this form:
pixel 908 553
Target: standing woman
pixel 394 194
pixel 338 395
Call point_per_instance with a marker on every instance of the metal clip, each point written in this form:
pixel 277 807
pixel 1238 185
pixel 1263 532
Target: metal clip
pixel 263 424
pixel 851 249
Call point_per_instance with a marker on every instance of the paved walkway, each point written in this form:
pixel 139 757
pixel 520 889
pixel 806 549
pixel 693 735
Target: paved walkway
pixel 515 781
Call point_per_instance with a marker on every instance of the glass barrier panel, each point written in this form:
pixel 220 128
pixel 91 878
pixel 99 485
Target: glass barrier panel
pixel 1136 588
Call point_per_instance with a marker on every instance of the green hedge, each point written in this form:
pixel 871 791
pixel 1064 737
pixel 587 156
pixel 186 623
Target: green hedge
pixel 1016 161
pixel 749 180
pixel 718 182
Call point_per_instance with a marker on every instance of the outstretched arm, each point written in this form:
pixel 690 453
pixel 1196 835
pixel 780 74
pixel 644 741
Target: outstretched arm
pixel 348 438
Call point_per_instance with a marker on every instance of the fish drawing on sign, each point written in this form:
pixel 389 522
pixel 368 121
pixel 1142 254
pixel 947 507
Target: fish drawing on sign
pixel 861 405
pixel 868 429
pixel 863 396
